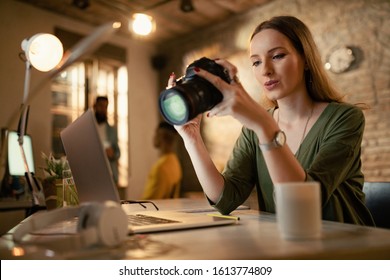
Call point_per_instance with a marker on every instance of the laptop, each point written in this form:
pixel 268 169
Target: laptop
pixel 94 182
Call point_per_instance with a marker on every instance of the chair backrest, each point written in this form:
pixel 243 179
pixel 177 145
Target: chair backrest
pixel 175 192
pixel 378 202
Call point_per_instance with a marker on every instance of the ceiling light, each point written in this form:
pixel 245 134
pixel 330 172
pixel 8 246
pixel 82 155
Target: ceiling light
pixel 186 6
pixel 81 4
pixel 142 24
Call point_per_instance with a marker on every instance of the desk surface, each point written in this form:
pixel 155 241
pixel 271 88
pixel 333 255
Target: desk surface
pixel 15 204
pixel 256 236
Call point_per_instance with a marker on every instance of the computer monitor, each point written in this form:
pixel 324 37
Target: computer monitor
pixel 15 159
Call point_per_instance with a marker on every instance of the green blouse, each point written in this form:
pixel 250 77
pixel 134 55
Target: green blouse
pixel 330 154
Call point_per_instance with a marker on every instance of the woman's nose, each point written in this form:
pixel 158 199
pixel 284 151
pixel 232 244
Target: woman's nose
pixel 267 68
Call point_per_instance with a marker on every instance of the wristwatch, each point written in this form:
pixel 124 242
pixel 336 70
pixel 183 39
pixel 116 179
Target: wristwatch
pixel 278 141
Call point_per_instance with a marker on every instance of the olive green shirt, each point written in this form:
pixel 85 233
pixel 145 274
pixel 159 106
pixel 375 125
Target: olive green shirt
pixel 330 154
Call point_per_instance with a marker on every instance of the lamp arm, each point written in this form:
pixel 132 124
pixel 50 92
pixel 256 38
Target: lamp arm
pixel 27 81
pixel 22 126
pixel 36 189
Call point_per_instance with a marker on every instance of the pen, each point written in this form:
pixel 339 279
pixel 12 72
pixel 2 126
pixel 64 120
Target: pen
pixel 224 216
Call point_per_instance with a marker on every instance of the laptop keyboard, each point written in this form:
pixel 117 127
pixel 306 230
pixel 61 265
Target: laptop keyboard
pixel 143 220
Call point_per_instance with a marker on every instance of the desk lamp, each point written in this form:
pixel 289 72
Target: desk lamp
pixel 42 51
pixel 45 53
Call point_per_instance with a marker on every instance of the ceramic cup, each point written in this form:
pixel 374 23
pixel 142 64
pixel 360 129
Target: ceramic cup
pixel 298 209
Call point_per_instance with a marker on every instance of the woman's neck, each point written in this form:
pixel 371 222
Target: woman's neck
pixel 291 111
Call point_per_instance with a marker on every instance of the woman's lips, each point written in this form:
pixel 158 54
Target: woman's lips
pixel 269 85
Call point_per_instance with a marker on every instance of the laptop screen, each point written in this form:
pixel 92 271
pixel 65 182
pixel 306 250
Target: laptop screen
pixel 88 161
pixel 15 159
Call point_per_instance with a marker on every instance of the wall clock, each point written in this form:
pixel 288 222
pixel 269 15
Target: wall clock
pixel 340 59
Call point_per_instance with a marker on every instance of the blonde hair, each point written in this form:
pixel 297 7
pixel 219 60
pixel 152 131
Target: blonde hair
pixel 317 82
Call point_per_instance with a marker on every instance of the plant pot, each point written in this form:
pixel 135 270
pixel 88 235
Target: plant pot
pixel 54 193
pixel 51 193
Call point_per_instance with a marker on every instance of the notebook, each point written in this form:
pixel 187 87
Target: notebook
pixel 94 182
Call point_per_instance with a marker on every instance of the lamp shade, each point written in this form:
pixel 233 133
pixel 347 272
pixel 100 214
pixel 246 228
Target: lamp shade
pixel 44 51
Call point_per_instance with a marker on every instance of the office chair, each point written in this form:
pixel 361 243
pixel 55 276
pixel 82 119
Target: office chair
pixel 175 192
pixel 378 202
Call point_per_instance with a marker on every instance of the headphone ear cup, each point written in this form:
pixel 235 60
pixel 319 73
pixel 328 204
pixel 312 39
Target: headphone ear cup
pixel 89 215
pixel 113 226
pixel 108 220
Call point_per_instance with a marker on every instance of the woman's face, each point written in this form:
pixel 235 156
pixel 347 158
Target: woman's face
pixel 277 66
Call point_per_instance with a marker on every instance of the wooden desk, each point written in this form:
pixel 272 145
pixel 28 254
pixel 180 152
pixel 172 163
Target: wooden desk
pixel 255 237
pixel 12 212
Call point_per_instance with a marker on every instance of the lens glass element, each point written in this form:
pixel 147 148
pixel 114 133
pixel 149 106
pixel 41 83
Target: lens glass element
pixel 175 108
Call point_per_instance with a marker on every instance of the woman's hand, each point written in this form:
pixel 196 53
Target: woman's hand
pixel 189 131
pixel 208 175
pixel 236 101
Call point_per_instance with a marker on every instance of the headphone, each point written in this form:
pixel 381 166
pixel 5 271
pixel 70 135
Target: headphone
pixel 100 224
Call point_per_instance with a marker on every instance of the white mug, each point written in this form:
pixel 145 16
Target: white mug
pixel 298 209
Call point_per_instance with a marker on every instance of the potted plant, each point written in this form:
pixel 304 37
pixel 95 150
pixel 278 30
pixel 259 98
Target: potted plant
pixel 58 185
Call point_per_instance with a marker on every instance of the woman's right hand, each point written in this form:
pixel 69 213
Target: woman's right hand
pixel 189 131
pixel 208 175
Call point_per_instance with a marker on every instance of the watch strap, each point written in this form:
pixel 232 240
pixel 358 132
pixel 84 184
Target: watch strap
pixel 274 142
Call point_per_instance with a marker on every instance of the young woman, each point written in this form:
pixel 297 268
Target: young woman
pixel 310 134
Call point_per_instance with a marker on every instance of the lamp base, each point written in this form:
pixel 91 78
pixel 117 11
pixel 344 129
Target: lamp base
pixel 36 189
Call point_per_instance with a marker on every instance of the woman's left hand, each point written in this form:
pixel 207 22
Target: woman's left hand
pixel 236 101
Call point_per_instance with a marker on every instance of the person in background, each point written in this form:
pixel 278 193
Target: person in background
pixel 165 175
pixel 308 134
pixel 108 134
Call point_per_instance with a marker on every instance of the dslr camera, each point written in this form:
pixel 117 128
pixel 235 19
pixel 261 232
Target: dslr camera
pixel 192 94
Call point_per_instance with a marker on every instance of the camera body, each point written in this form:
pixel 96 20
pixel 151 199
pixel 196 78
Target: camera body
pixel 192 94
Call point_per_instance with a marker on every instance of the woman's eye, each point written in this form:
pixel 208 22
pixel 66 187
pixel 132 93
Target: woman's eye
pixel 255 63
pixel 278 56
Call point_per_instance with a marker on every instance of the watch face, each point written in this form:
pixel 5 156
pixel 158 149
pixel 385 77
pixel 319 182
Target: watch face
pixel 280 138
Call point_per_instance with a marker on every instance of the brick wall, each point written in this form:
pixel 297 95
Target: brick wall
pixel 362 24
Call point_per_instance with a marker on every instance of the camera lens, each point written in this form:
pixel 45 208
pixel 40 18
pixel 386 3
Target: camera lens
pixel 174 108
pixel 192 94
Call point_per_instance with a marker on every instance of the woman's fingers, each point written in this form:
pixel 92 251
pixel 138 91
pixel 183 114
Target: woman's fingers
pixel 171 80
pixel 230 68
pixel 232 92
pixel 228 90
pixel 220 84
pixel 236 80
